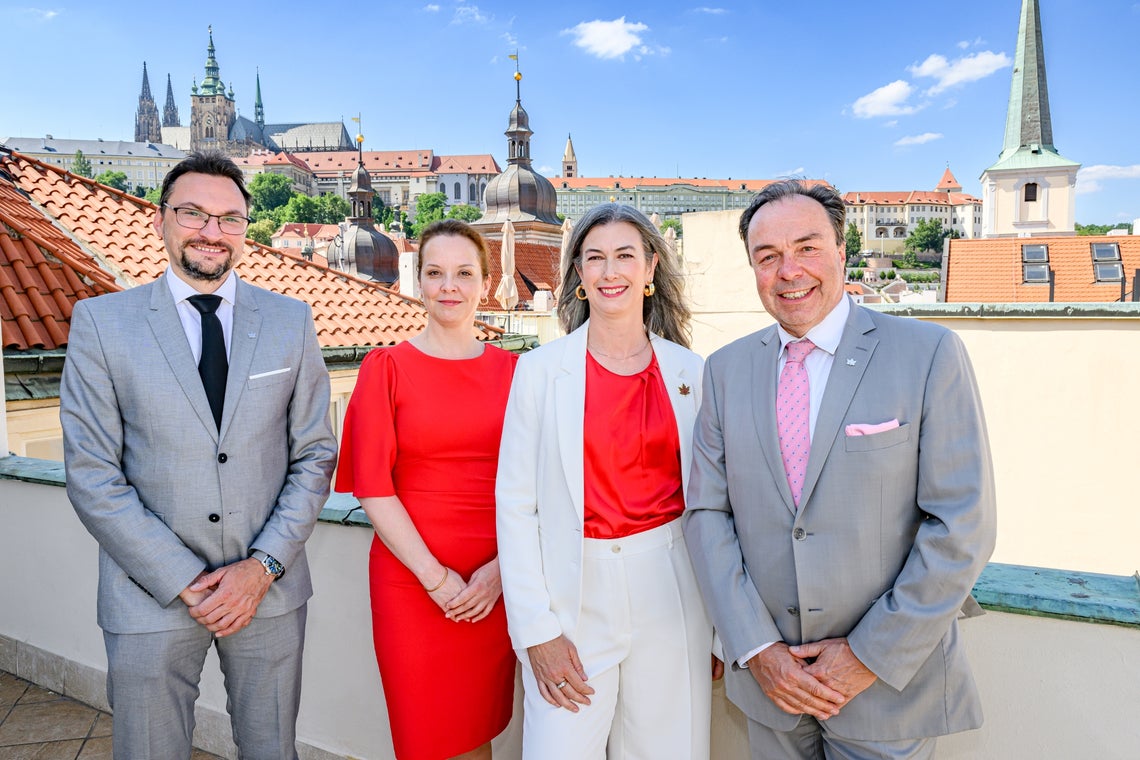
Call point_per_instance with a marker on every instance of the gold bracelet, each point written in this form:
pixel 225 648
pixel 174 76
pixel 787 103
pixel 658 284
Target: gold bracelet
pixel 442 580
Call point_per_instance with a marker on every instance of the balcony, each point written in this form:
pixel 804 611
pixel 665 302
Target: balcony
pixel 1057 657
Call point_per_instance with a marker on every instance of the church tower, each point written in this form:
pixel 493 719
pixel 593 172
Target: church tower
pixel 170 110
pixel 569 160
pixel 212 110
pixel 1031 190
pixel 147 126
pixel 258 109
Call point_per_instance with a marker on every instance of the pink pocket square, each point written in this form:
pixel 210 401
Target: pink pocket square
pixel 862 428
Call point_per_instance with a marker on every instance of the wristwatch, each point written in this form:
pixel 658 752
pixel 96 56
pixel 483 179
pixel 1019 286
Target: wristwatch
pixel 272 566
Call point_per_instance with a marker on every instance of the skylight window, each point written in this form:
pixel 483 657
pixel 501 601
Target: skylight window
pixel 1035 263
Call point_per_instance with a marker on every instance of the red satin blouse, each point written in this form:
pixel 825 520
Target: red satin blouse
pixel 632 463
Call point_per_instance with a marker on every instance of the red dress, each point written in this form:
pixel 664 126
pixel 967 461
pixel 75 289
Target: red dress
pixel 427 430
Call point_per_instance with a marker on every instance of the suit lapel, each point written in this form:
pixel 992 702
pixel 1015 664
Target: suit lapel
pixel 764 381
pixel 243 342
pixel 570 409
pixel 851 359
pixel 675 377
pixel 171 338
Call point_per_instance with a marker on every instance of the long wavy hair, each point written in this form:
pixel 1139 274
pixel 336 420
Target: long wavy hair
pixel 665 313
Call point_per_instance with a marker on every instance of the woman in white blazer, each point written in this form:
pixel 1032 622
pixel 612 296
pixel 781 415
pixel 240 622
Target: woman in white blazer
pixel 602 605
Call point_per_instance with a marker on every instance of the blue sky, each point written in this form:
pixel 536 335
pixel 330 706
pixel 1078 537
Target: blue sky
pixel 878 96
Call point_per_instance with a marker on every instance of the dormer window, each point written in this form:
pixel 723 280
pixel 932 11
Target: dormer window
pixel 1035 263
pixel 1106 262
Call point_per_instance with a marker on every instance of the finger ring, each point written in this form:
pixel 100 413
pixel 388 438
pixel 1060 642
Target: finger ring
pixel 561 684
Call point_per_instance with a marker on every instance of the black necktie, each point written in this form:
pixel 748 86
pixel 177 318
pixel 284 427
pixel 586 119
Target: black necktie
pixel 213 365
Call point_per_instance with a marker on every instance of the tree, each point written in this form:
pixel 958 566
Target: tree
pixel 465 212
pixel 81 166
pixel 300 208
pixel 117 180
pixel 269 191
pixel 153 195
pixel 262 231
pixel 928 235
pixel 1100 229
pixel 332 209
pixel 382 213
pixel 429 208
pixel 853 240
pixel 674 223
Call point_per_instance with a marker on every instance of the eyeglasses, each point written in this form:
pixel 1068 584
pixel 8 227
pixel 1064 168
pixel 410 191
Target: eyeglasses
pixel 193 219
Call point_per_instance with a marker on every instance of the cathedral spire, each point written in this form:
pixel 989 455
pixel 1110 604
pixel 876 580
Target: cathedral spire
pixel 569 160
pixel 212 83
pixel 170 110
pixel 1027 119
pixel 147 125
pixel 258 109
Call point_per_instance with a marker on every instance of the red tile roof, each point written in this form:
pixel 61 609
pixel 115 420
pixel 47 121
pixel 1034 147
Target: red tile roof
pixel 630 183
pixel 474 164
pixel 403 162
pixel 901 197
pixel 100 235
pixel 266 158
pixel 949 182
pixel 990 270
pixel 536 264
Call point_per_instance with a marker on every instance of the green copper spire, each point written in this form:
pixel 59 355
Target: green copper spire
pixel 258 109
pixel 212 83
pixel 1028 126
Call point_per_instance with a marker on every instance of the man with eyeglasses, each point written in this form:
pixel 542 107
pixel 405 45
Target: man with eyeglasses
pixel 198 452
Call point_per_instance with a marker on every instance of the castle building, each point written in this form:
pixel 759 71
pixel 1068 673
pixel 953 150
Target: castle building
pixel 885 218
pixel 215 122
pixel 1031 189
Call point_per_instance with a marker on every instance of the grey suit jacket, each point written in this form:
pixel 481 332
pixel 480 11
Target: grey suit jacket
pixel 163 491
pixel 892 531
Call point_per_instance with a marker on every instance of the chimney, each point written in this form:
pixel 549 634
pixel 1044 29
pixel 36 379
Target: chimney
pixel 409 284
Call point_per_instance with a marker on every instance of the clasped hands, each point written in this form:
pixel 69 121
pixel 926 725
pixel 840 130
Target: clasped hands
pixel 226 600
pixel 472 600
pixel 819 688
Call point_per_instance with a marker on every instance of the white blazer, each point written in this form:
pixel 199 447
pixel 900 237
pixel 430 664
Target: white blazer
pixel 540 487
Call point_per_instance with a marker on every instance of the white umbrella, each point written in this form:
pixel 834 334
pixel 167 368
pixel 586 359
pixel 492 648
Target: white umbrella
pixel 507 294
pixel 567 228
pixel 655 220
pixel 671 237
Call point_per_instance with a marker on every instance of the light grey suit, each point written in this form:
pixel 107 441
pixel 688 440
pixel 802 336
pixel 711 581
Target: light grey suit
pixel 892 531
pixel 164 492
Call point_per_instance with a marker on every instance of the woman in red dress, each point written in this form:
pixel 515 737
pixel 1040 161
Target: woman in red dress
pixel 420 451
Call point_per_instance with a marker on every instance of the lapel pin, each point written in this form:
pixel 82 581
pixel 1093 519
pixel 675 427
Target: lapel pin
pixel 851 362
pixel 683 390
pixel 254 335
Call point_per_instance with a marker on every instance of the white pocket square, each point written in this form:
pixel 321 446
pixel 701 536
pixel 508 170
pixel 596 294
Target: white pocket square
pixel 864 428
pixel 270 373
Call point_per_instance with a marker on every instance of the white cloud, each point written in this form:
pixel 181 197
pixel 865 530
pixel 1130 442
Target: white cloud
pixel 468 13
pixel 710 11
pixel 797 172
pixel 891 123
pixel 611 39
pixel 1089 178
pixel 510 39
pixel 963 70
pixel 963 44
pixel 30 15
pixel 431 8
pixel 922 139
pixel 546 171
pixel 888 100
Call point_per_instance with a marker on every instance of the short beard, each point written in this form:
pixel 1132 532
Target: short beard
pixel 194 271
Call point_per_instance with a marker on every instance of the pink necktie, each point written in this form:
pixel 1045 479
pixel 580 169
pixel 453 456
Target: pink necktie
pixel 793 416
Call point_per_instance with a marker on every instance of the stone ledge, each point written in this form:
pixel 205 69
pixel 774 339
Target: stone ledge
pixel 1066 594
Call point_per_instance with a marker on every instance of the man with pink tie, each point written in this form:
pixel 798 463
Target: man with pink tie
pixel 840 505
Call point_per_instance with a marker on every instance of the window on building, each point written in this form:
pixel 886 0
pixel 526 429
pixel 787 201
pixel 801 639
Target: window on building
pixel 1107 263
pixel 1031 192
pixel 1035 263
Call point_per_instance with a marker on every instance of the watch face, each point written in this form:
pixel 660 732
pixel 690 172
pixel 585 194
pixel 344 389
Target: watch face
pixel 273 566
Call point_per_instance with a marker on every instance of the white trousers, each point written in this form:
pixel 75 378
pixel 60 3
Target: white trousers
pixel 645 642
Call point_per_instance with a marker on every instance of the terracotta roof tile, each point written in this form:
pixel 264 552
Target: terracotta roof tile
pixel 536 268
pixel 902 197
pixel 474 164
pixel 990 270
pixel 104 235
pixel 629 183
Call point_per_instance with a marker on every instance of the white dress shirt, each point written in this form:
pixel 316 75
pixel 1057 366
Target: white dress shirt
pixel 192 318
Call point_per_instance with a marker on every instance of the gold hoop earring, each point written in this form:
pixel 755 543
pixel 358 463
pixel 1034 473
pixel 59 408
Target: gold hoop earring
pixel 650 289
pixel 580 293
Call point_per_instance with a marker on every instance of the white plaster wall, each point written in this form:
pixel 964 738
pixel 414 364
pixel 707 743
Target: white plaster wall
pixel 3 414
pixel 1051 689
